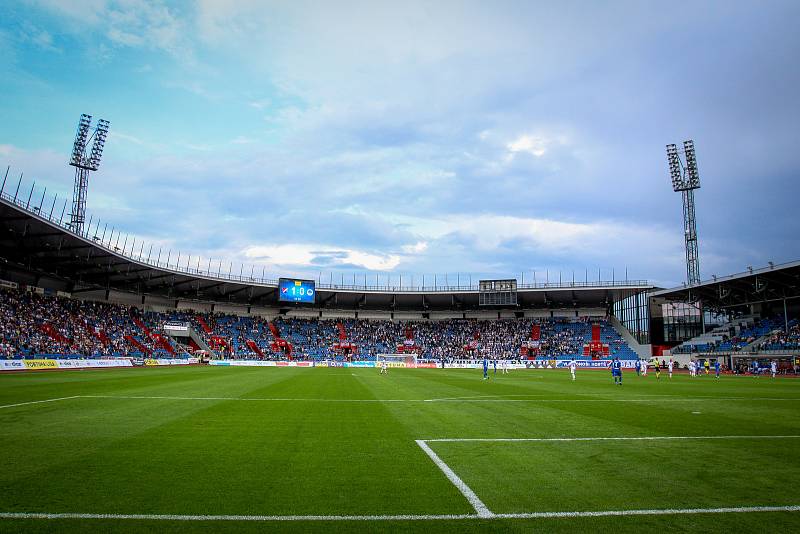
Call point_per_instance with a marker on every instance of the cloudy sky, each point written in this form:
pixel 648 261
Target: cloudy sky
pixel 492 138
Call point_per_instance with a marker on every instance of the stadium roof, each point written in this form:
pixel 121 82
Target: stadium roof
pixel 754 286
pixel 37 247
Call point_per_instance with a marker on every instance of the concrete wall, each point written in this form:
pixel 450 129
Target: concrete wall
pixel 407 316
pixel 338 314
pixel 442 316
pixel 375 315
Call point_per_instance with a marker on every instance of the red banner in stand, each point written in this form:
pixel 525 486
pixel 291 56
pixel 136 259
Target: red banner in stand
pixel 536 332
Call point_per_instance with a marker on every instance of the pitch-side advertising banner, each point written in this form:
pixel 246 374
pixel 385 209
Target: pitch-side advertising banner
pixel 260 363
pixel 456 364
pixel 170 361
pixel 21 365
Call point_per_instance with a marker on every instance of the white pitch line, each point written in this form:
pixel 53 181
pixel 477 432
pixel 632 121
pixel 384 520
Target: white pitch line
pixel 185 517
pixel 470 398
pixel 408 517
pixel 465 490
pixel 650 399
pixel 630 438
pixel 38 402
pixel 243 399
pixel 449 399
pixel 666 511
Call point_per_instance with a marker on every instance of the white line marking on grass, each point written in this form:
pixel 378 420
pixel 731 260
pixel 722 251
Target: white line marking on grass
pixel 38 402
pixel 465 490
pixel 244 399
pixel 631 438
pixel 472 397
pixel 409 517
pixel 666 511
pixel 183 517
pixel 650 399
pixel 452 399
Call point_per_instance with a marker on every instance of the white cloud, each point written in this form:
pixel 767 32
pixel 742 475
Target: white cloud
pixel 417 248
pixel 133 23
pixel 304 255
pixel 536 146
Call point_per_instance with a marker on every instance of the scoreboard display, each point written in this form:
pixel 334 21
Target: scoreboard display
pixel 291 290
pixel 497 293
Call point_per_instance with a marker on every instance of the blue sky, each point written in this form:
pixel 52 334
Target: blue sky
pixel 492 138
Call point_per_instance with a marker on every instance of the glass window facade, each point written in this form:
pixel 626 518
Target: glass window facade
pixel 634 313
pixel 682 321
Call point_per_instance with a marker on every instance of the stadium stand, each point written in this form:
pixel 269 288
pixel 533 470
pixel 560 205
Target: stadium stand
pixel 779 340
pixel 733 337
pixel 36 325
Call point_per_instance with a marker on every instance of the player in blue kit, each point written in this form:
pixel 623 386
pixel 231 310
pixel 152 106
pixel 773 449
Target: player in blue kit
pixel 616 371
pixel 494 364
pixel 717 367
pixel 485 369
pixel 638 367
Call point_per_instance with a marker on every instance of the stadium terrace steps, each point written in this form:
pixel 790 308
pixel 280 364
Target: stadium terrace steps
pixel 138 345
pixel 54 334
pixel 254 347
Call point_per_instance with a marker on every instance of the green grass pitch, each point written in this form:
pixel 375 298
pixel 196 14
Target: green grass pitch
pixel 210 441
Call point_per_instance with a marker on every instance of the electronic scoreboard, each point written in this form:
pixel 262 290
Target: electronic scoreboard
pixel 497 293
pixel 291 290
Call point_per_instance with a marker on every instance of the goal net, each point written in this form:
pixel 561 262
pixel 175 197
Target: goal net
pixel 398 360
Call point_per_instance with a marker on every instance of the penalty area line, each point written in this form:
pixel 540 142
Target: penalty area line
pixel 626 438
pixel 409 517
pixel 465 490
pixel 39 401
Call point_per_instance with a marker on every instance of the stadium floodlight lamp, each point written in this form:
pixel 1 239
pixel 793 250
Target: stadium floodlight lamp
pixel 99 141
pixel 675 169
pixel 79 146
pixel 692 175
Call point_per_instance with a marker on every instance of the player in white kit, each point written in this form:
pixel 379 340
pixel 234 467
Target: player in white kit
pixel 504 366
pixel 573 365
pixel 644 367
pixel 773 368
pixel 670 367
pixel 691 367
pixel 384 368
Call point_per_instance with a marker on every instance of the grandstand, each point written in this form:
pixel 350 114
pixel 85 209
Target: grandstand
pixel 47 326
pixel 756 314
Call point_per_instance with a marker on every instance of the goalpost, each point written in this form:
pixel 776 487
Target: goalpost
pixel 398 360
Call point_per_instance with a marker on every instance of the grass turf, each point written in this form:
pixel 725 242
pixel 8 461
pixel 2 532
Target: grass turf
pixel 342 442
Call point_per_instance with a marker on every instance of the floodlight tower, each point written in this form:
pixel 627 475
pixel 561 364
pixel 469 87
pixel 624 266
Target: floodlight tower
pixel 84 163
pixel 685 179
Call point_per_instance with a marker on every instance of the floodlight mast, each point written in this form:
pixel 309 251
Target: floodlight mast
pixel 685 179
pixel 84 164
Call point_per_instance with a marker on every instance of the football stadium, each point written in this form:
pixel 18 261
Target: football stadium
pixel 415 268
